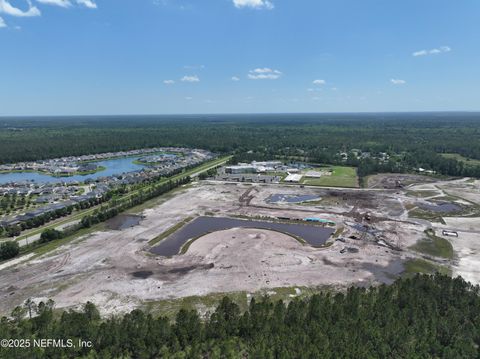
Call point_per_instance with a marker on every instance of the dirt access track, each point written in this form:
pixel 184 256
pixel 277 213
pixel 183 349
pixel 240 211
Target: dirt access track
pixel 114 269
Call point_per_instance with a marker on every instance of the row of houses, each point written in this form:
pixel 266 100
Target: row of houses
pixel 52 207
pixel 46 193
pixel 63 195
pixel 37 189
pixel 75 164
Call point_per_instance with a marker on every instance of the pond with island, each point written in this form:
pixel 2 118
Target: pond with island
pixel 314 235
pixel 112 167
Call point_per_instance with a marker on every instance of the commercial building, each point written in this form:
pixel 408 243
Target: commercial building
pixel 235 170
pixel 314 174
pixel 254 167
pixel 293 178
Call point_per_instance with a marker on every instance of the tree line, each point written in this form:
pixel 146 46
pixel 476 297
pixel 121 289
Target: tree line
pixel 416 140
pixel 421 317
pixel 8 250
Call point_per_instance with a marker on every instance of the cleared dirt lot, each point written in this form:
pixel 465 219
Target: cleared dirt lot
pixel 114 270
pixel 393 181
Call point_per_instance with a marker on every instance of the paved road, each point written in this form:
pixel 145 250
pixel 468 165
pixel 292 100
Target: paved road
pixel 36 237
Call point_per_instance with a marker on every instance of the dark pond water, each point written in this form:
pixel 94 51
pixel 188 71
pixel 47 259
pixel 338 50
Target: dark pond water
pixel 113 167
pixel 441 207
pixel 316 236
pixel 275 198
pixel 123 221
pixel 142 274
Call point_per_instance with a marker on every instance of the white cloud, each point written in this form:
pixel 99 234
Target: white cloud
pixel 9 9
pixel 174 3
pixel 420 53
pixel 398 82
pixel 61 3
pixel 193 78
pixel 87 3
pixel 235 78
pixel 263 70
pixel 440 50
pixel 319 82
pixel 188 98
pixel 264 74
pixel 168 82
pixel 253 4
pixel 194 67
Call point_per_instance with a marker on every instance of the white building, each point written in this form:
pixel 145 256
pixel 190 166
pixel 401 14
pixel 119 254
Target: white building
pixel 240 169
pixel 314 174
pixel 293 178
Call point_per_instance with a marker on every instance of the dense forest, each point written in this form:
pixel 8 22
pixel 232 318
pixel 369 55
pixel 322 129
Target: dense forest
pixel 421 317
pixel 413 140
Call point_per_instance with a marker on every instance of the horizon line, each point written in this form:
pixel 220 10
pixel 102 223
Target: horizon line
pixel 247 113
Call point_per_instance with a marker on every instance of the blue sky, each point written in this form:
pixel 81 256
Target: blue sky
pixel 80 57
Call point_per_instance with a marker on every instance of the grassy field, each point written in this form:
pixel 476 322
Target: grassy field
pixel 415 266
pixel 429 216
pixel 467 161
pixel 423 194
pixel 435 246
pixel 341 177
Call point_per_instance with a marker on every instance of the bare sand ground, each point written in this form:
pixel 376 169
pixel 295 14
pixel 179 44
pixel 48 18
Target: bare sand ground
pixel 467 250
pixel 114 270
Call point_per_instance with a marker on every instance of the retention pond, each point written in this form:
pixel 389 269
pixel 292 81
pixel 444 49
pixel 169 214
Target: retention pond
pixel 316 236
pixel 123 221
pixel 441 207
pixel 115 166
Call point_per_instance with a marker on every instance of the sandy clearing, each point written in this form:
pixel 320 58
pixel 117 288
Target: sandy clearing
pixel 15 261
pixel 467 249
pixel 100 266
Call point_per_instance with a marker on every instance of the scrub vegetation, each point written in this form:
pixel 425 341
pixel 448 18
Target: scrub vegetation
pixel 422 266
pixel 435 246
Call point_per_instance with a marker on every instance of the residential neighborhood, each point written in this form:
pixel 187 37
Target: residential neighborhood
pixel 29 203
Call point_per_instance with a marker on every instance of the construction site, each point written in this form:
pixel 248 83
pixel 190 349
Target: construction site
pixel 213 237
